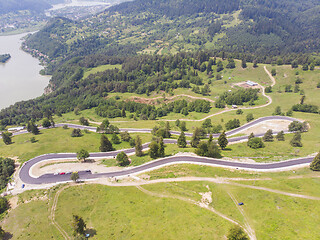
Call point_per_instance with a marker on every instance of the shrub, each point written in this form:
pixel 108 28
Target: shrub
pixel 123 159
pixel 256 143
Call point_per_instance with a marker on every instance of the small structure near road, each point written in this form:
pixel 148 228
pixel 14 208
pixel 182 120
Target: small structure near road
pixel 251 84
pixel 16 129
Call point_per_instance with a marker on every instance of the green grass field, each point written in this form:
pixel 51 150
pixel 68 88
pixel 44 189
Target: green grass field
pixel 57 140
pixel 126 212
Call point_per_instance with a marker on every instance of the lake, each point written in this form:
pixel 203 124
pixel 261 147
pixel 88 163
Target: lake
pixel 19 77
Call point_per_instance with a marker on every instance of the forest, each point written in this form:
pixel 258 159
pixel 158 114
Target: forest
pixel 32 5
pixel 261 30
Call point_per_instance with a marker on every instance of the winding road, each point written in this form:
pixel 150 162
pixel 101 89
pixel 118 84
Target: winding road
pixel 25 176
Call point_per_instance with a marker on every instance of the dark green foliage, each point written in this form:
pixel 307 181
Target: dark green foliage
pixel 288 88
pixel 255 143
pixel 273 72
pixel 235 123
pixel 7 138
pixel 268 89
pixel 239 96
pixel 161 152
pixel 309 108
pixel 239 112
pixel 315 164
pixel 296 140
pixel 125 136
pixel 243 63
pixel 122 159
pixel 195 137
pixel 83 154
pixel 237 233
pixel 153 149
pixel 280 136
pixel 207 149
pixel 231 64
pixel 46 123
pixel 115 138
pixel 305 67
pixel 84 121
pixel 7 167
pixel 222 140
pixel 249 117
pixel 183 126
pixel 138 146
pixel 76 132
pixel 277 111
pixel 182 143
pixel 268 136
pixel 207 123
pixel 4 205
pixel 250 136
pixel 105 144
pixel 74 176
pixel 296 126
pixel 78 225
pixel 33 140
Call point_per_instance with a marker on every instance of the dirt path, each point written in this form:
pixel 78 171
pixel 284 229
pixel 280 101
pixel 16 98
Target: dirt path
pixel 273 80
pixel 52 214
pixel 173 97
pixel 200 204
pixel 251 232
pixel 227 109
pixel 228 181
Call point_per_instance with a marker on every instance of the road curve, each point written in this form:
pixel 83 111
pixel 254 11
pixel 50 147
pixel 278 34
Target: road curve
pixel 25 176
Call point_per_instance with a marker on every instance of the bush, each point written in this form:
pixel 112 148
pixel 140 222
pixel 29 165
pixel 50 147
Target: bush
pixel 236 233
pixel 125 136
pixel 296 140
pixel 255 143
pixel 84 121
pixel 249 117
pixel 296 126
pixel 208 149
pixel 235 123
pixel 76 133
pixel 239 112
pixel 123 159
pixel 4 206
pixel 315 164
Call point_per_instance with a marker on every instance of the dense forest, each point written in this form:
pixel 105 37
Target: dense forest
pixel 32 5
pixel 261 30
pixel 142 74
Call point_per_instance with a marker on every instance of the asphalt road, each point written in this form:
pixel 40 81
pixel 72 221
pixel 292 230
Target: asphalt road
pixel 51 178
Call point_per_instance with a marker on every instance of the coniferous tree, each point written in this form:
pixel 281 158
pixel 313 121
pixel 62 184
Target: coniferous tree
pixel 35 129
pixel 182 143
pixel 6 137
pixel 222 140
pixel 210 140
pixel 296 140
pixel 244 63
pixel 268 137
pixel 315 164
pixel 123 159
pixel 115 138
pixel 79 225
pixel 153 149
pixel 280 136
pixel 138 146
pixel 105 144
pixel 161 152
pixel 195 138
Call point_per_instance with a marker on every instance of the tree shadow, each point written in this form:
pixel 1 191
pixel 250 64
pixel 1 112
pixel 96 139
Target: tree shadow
pixel 92 232
pixel 227 149
pixel 7 236
pixel 89 161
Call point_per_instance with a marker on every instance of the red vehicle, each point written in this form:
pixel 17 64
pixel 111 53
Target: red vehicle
pixel 63 173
